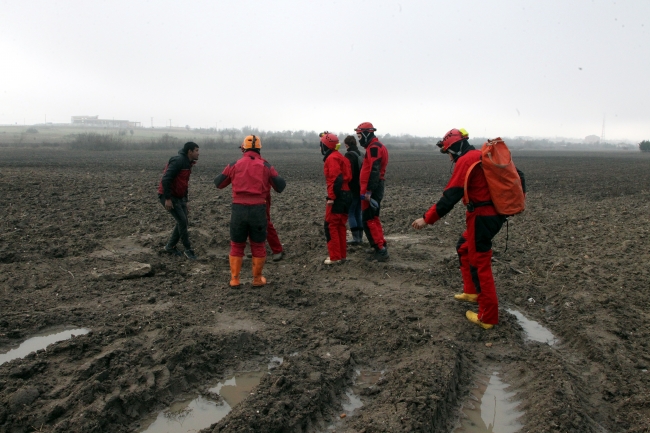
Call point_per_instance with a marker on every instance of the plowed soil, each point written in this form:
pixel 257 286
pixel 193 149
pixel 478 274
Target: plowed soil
pixel 577 261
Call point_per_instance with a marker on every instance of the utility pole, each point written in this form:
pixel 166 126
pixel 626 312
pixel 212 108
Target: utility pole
pixel 152 123
pixel 602 134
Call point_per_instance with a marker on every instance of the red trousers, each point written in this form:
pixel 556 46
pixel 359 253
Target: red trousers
pixel 372 226
pixel 271 234
pixel 335 233
pixel 475 255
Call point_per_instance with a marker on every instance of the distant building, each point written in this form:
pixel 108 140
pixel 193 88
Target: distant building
pixel 107 123
pixel 592 139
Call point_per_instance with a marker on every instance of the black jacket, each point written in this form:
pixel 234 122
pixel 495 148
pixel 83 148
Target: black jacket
pixel 356 159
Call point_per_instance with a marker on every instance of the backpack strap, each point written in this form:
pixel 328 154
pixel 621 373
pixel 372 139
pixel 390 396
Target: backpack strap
pixel 469 171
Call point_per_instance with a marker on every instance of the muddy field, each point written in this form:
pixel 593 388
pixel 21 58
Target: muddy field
pixel 73 224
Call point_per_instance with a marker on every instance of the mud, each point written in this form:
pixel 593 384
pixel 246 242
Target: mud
pixel 77 229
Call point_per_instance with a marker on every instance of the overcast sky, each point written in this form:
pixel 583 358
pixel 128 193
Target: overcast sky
pixel 551 68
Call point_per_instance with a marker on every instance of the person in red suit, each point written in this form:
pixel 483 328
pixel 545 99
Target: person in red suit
pixel 482 221
pixel 371 180
pixel 252 178
pixel 337 175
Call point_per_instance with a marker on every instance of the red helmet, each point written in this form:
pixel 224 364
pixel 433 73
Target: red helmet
pixel 365 127
pixel 329 140
pixel 452 137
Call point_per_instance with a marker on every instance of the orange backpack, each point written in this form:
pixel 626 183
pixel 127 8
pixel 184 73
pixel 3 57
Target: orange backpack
pixel 503 181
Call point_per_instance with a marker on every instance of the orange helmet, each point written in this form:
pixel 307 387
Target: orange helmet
pixel 251 142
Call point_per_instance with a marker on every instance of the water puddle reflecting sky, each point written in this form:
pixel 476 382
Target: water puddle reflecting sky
pixel 40 341
pixel 490 408
pixel 534 330
pixel 194 414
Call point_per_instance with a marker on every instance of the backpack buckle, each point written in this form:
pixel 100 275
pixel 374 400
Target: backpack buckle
pixel 470 207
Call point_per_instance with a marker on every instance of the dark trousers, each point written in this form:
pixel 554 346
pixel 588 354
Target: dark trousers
pixel 248 222
pixel 179 212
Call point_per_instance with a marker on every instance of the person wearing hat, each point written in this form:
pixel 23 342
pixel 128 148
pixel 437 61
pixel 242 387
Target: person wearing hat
pixel 482 223
pixel 371 180
pixel 337 176
pixel 252 178
pixel 172 193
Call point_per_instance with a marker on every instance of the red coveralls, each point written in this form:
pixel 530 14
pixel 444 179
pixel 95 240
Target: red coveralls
pixel 371 179
pixel 252 179
pixel 337 175
pixel 475 245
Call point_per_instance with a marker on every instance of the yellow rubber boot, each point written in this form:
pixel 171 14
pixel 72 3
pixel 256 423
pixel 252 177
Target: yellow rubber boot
pixel 235 270
pixel 467 297
pixel 258 266
pixel 473 317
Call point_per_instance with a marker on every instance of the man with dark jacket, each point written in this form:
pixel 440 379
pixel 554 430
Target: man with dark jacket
pixel 353 155
pixel 252 178
pixel 172 192
pixel 371 180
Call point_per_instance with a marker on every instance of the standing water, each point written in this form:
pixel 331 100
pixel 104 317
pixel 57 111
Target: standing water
pixel 490 408
pixel 198 413
pixel 534 330
pixel 40 341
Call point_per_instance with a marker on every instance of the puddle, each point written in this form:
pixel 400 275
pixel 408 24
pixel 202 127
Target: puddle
pixel 198 413
pixel 490 408
pixel 40 341
pixel 351 400
pixel 534 330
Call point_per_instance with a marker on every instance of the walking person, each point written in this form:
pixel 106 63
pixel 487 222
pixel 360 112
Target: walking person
pixel 172 193
pixel 482 221
pixel 337 177
pixel 252 178
pixel 353 155
pixel 371 180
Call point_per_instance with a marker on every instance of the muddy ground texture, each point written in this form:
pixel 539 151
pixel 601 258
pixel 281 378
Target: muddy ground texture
pixel 577 262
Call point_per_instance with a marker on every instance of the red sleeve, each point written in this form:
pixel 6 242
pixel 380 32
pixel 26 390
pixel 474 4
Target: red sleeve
pixel 331 172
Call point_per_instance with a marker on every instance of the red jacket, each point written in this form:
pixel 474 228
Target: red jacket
pixel 252 179
pixel 374 166
pixel 477 187
pixel 337 174
pixel 176 176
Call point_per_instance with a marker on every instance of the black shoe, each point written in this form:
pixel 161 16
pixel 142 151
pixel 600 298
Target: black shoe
pixel 173 251
pixel 190 254
pixel 380 256
pixel 278 256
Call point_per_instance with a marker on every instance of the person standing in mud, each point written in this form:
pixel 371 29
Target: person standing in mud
pixel 252 178
pixel 353 155
pixel 272 237
pixel 337 175
pixel 371 180
pixel 482 223
pixel 172 193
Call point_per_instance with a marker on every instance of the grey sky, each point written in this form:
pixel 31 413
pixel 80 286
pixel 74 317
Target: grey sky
pixel 512 68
